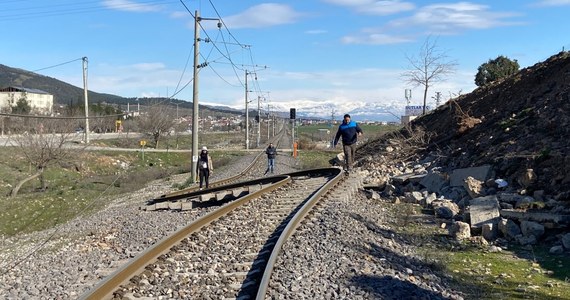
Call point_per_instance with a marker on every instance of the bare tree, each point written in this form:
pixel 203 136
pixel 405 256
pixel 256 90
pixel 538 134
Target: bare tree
pixel 42 144
pixel 431 65
pixel 156 122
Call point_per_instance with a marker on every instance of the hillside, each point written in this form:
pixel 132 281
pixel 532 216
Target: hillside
pixel 66 94
pixel 514 125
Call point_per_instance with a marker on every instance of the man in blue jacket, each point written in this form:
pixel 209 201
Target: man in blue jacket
pixel 349 131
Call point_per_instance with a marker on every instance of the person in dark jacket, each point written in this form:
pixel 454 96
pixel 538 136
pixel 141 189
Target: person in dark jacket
pixel 204 167
pixel 271 153
pixel 349 131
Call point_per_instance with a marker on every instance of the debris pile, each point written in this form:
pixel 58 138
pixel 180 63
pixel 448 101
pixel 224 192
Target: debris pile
pixel 493 163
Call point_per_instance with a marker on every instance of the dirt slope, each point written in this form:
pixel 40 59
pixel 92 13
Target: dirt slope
pixel 520 123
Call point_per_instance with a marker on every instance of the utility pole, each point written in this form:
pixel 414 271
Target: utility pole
pixel 258 120
pixel 268 121
pixel 437 98
pixel 195 105
pixel 246 114
pixel 86 99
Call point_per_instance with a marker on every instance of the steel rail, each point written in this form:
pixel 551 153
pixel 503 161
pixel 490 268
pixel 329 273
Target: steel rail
pixel 220 182
pixel 105 288
pixel 293 224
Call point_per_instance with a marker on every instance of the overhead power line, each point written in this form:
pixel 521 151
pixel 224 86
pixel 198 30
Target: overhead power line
pixel 61 64
pixel 78 7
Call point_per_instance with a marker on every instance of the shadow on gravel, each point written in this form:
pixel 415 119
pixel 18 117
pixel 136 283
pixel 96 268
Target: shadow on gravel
pixel 393 258
pixel 387 287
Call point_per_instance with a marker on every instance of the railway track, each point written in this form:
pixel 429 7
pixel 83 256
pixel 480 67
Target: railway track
pixel 230 252
pixel 252 171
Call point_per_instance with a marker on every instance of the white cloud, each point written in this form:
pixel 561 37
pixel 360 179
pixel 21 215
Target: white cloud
pixel 375 38
pixel 374 7
pixel 449 18
pixel 316 31
pixel 132 6
pixel 263 15
pixel 180 15
pixel 440 19
pixel 553 2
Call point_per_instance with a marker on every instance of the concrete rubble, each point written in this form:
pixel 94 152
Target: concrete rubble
pixel 473 204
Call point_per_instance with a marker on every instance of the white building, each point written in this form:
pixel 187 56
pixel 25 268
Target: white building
pixel 40 101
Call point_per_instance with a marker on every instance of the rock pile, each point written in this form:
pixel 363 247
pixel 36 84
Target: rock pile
pixel 473 203
pixel 505 176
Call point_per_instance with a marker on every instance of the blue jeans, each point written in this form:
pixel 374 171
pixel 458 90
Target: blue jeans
pixel 270 165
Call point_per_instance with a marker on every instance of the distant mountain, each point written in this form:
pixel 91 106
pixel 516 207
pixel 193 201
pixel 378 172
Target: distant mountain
pixel 358 110
pixel 63 93
pixel 67 94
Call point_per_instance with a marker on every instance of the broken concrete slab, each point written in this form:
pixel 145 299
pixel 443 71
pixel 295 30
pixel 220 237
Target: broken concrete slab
pixel 541 217
pixel 458 176
pixel 407 177
pixel 509 228
pixel 484 210
pixel 433 182
pixel 532 228
pixel 207 197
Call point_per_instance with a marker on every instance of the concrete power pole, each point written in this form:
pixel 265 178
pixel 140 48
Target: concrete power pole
pixel 259 121
pixel 246 115
pixel 86 99
pixel 195 100
pixel 195 105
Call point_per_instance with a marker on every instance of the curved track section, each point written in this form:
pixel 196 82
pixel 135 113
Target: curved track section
pixel 228 253
pixel 240 176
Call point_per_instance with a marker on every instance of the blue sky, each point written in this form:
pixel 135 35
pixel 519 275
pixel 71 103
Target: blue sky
pixel 301 52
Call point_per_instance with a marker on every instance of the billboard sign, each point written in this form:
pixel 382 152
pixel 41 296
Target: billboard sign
pixel 416 110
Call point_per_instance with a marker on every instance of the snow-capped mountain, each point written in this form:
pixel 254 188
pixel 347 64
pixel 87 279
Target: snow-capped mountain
pixel 358 110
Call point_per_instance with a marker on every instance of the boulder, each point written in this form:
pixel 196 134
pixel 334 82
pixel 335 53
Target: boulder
pixel 445 209
pixel 414 197
pixel 444 212
pixel 529 228
pixel 566 240
pixel 489 231
pixel 474 187
pixel 433 182
pixel 527 178
pixel 509 228
pixel 524 202
pixel 484 210
pixel 556 250
pixel 460 230
pixel 429 199
pixel 454 193
pixel 390 190
pixel 371 194
pixel 526 240
pixel 538 195
pixel 458 176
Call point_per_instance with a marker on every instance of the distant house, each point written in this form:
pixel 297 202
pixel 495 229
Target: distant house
pixel 40 101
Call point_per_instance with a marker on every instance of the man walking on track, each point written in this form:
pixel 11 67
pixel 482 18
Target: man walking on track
pixel 271 153
pixel 349 131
